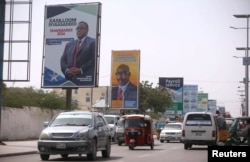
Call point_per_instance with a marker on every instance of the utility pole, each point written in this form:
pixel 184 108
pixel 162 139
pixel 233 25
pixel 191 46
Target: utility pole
pixel 246 62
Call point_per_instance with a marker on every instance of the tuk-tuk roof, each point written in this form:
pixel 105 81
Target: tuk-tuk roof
pixel 146 117
pixel 243 118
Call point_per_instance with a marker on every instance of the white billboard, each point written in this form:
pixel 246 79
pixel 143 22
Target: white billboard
pixel 71 45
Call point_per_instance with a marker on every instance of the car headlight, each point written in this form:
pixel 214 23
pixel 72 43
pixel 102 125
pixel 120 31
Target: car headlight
pixel 44 136
pixel 82 136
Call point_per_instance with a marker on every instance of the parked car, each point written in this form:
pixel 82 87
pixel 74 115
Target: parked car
pixel 112 122
pixel 78 132
pixel 171 132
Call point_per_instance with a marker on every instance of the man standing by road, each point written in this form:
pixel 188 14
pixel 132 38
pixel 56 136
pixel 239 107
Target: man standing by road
pixel 220 120
pixel 78 59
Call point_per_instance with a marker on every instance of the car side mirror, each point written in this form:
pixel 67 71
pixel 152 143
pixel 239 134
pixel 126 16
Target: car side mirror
pixel 99 124
pixel 45 124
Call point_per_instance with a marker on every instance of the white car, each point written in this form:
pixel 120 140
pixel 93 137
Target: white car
pixel 171 132
pixel 112 122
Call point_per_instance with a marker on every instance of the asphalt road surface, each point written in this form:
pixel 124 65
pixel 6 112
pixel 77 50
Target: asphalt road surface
pixel 162 152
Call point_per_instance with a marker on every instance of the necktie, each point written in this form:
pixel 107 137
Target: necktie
pixel 119 94
pixel 76 52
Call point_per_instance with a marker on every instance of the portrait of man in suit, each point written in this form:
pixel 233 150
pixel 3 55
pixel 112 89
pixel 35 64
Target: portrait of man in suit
pixel 125 90
pixel 79 57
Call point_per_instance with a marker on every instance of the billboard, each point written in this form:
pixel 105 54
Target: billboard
pixel 190 98
pixel 212 106
pixel 202 102
pixel 174 86
pixel 71 45
pixel 125 72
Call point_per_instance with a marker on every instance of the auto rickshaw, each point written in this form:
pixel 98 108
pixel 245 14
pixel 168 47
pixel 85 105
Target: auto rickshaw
pixel 139 131
pixel 237 137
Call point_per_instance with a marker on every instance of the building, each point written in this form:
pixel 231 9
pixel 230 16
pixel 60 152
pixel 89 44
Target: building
pixel 87 97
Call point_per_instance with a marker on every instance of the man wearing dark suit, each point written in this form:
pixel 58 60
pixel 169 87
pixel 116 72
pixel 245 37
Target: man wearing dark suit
pixel 78 59
pixel 126 91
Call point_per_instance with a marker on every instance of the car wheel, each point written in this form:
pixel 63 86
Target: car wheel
pixel 152 145
pixel 44 156
pixel 161 141
pixel 64 155
pixel 187 146
pixel 119 143
pixel 106 153
pixel 92 156
pixel 114 138
pixel 167 141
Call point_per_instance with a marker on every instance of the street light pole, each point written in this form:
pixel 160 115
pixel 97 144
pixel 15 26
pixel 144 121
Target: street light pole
pixel 245 61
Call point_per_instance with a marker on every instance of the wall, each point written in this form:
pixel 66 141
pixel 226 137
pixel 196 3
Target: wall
pixel 23 124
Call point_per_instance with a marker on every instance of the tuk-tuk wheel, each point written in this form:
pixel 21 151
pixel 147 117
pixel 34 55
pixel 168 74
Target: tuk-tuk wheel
pixel 131 146
pixel 119 143
pixel 152 146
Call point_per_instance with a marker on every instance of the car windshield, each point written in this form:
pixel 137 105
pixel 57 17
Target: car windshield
pixel 173 126
pixel 110 120
pixel 134 122
pixel 121 123
pixel 72 120
pixel 199 120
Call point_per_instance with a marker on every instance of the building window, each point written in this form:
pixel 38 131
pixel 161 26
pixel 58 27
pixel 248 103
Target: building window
pixel 87 99
pixel 76 91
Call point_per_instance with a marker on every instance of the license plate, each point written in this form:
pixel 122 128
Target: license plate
pixel 61 145
pixel 198 134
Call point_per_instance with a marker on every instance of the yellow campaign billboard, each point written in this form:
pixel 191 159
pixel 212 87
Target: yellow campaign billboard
pixel 125 72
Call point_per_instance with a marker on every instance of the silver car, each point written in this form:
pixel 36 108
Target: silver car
pixel 79 132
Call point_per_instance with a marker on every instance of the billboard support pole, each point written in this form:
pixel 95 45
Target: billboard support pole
pixel 68 98
pixel 2 18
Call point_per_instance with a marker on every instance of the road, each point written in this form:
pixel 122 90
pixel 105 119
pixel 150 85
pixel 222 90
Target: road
pixel 162 152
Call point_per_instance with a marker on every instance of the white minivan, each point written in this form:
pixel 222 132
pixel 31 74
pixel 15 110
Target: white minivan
pixel 199 128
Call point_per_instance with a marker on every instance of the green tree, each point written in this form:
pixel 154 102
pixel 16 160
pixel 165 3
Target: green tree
pixel 152 98
pixel 20 97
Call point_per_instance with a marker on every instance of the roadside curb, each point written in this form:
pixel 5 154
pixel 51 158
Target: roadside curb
pixel 19 153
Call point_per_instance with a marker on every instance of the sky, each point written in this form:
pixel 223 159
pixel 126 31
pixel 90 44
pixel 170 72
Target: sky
pixel 176 38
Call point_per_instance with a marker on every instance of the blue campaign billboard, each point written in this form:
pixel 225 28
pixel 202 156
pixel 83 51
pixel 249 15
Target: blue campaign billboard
pixel 71 45
pixel 174 87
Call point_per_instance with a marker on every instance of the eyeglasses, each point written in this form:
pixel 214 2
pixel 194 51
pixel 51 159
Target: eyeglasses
pixel 80 28
pixel 122 73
